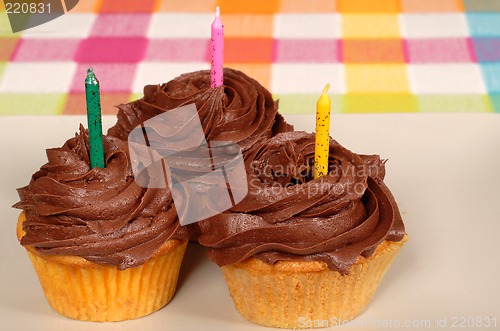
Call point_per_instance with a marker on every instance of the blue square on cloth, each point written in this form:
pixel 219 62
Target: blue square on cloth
pixel 491 74
pixel 487 49
pixel 484 24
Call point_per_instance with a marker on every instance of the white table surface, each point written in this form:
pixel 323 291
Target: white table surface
pixel 444 170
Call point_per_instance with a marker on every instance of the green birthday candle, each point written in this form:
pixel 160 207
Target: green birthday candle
pixel 94 120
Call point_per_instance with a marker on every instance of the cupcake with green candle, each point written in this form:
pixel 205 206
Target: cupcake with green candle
pixel 103 247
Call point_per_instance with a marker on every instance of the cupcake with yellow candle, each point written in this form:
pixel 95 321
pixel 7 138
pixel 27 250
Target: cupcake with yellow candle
pixel 299 249
pixel 104 248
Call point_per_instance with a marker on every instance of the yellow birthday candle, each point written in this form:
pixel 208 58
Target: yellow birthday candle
pixel 322 149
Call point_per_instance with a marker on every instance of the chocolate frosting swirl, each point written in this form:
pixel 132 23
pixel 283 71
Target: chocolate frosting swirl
pixel 241 111
pixel 99 214
pixel 287 215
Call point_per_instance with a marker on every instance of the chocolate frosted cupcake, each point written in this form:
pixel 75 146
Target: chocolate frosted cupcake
pixel 299 249
pixel 241 111
pixel 104 248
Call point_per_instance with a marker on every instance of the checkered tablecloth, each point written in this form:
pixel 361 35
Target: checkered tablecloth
pixel 378 55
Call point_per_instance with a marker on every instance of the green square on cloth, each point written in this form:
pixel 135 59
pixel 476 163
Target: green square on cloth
pixel 31 104
pixel 453 103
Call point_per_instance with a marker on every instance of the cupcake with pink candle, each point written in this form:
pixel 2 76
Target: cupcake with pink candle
pixel 231 105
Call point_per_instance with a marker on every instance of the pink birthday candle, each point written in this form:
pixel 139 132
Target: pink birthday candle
pixel 217 45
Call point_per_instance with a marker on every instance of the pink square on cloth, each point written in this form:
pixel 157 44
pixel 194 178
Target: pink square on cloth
pixel 307 50
pixel 40 50
pixel 440 50
pixel 131 25
pixel 119 49
pixel 113 77
pixel 181 50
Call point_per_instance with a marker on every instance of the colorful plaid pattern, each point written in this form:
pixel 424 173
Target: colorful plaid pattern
pixel 378 55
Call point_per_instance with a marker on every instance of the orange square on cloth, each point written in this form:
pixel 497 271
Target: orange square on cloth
pixel 372 51
pixel 249 50
pixel 248 7
pixel 368 6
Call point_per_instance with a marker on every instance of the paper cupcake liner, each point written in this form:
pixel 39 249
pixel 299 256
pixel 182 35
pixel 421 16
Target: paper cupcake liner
pixel 87 291
pixel 297 294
